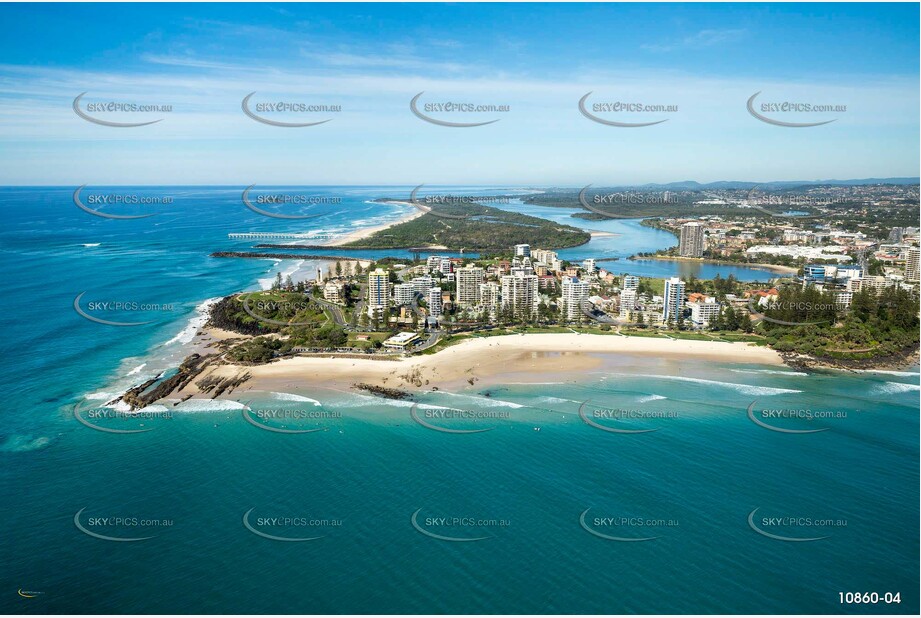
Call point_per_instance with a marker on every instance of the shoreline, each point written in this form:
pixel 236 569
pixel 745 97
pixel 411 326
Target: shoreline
pixel 365 232
pixel 490 360
pixel 536 358
pixel 777 268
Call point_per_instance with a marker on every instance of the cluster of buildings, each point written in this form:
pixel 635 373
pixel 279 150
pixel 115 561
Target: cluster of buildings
pixel 675 305
pixel 536 283
pixel 516 289
pixel 720 237
pixel 473 291
pixel 822 244
pixel 846 279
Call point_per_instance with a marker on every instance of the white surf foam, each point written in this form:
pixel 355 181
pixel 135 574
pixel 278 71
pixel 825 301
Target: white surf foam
pixel 745 389
pixel 266 284
pixel 293 397
pixel 136 369
pixel 195 324
pixel 556 400
pixel 903 374
pixel 101 395
pixel 208 405
pixel 771 371
pixel 889 388
pixel 488 401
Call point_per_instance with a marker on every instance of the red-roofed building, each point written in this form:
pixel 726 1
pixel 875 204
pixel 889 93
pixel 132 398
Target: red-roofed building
pixel 771 294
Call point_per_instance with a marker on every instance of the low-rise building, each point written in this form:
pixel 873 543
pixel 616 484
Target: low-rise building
pixel 401 341
pixel 703 311
pixel 333 291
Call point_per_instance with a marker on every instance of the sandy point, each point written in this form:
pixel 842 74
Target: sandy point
pixel 523 358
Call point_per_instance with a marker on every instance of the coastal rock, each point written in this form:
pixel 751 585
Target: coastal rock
pixel 383 391
pixel 140 397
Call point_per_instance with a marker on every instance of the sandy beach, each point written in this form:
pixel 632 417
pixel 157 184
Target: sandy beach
pixel 534 358
pixel 522 358
pixel 368 231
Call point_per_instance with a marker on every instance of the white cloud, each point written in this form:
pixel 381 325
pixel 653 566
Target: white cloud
pixel 699 40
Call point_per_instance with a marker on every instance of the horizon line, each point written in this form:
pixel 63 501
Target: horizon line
pixel 881 180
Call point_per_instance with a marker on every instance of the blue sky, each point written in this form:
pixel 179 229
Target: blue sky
pixel 538 59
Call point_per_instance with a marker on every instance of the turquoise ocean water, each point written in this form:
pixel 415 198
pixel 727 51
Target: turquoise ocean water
pixel 542 489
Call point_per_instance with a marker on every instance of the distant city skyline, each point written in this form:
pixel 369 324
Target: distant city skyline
pixel 706 61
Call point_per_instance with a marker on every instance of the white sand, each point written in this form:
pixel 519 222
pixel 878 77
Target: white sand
pixel 534 357
pixel 368 231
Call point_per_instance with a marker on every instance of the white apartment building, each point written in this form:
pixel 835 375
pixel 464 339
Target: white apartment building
pixel 519 292
pixel 872 282
pixel 703 311
pixel 404 293
pixel 574 293
pixel 691 241
pixel 521 266
pixel 544 255
pixel 794 235
pixel 422 284
pixel 489 298
pixel 378 292
pixel 627 302
pixel 523 250
pixel 468 280
pixel 332 291
pixel 631 282
pixel 433 298
pixel 913 264
pixel 673 299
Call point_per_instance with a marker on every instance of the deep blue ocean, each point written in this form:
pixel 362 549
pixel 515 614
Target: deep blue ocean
pixel 559 506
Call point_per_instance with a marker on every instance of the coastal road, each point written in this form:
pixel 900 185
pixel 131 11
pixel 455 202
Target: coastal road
pixel 334 309
pixel 433 338
pixel 360 305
